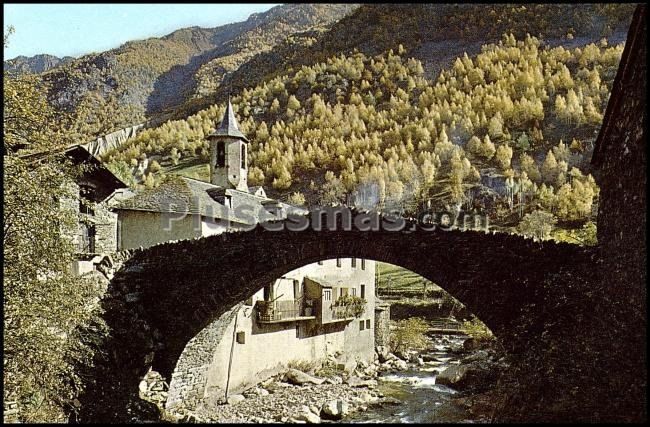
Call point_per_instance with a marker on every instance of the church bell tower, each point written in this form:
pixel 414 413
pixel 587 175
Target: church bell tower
pixel 229 154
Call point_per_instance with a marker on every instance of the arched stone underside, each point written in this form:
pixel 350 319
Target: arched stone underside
pixel 164 296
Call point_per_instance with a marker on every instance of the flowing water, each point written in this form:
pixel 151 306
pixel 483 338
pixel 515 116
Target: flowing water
pixel 422 400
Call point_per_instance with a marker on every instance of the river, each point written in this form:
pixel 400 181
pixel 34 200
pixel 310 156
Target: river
pixel 422 400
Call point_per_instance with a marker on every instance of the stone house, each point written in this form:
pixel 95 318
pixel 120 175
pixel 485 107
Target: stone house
pixel 97 189
pixel 300 317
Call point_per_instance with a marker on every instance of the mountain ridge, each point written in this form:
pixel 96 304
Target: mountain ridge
pixel 142 78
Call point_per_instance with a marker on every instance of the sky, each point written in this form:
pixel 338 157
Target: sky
pixel 78 29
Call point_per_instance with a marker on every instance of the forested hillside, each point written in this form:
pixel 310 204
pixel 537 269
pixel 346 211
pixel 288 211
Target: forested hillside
pixel 140 79
pixel 509 131
pixel 433 33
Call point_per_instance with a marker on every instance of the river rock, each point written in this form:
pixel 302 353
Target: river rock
pixel 451 375
pixel 382 352
pixel 401 365
pixel 296 377
pixel 305 414
pixel 335 409
pixel 256 391
pixel 402 354
pixel 334 380
pixel 358 382
pixel 367 398
pixel 347 365
pixel 235 399
pixel 476 356
pixel 390 401
pixel 471 344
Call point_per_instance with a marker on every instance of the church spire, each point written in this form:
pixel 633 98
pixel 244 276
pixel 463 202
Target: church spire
pixel 229 125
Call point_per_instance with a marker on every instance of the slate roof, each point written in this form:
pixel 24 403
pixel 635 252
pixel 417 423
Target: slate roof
pixel 183 195
pixel 198 197
pixel 79 154
pixel 229 125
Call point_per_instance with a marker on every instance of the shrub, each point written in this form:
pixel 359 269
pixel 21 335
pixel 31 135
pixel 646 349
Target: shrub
pixel 408 334
pixel 477 329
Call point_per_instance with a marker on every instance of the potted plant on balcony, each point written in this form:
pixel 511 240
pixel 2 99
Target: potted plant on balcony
pixel 354 306
pixel 265 310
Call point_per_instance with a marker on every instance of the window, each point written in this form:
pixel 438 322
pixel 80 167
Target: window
pixel 363 291
pixel 354 263
pixel 87 240
pixel 243 156
pixel 362 325
pixel 85 197
pixel 338 262
pixel 363 264
pixel 367 323
pixel 327 294
pixel 344 292
pixel 221 154
pixel 241 337
pixel 354 292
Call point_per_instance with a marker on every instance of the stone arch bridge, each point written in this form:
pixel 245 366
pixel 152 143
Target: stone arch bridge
pixel 164 296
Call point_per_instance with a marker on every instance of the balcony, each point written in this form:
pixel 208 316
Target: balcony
pixel 283 311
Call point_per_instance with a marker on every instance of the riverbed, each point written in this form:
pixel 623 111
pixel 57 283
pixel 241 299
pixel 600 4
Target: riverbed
pixel 411 395
pixel 421 399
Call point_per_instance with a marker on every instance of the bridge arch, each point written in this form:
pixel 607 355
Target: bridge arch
pixel 165 295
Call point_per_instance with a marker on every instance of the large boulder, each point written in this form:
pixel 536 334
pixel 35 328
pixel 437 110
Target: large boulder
pixel 452 375
pixel 335 409
pixel 296 377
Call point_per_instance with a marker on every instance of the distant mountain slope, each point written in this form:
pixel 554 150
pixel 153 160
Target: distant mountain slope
pixel 145 77
pixel 34 64
pixel 435 34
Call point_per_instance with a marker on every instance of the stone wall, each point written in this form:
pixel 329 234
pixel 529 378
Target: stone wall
pixel 105 229
pixel 103 219
pixel 621 164
pixel 190 376
pixel 382 323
